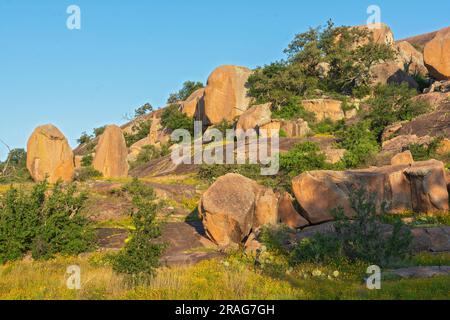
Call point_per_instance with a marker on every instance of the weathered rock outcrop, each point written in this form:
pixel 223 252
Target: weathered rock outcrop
pixel 433 124
pixel 255 117
pixel 233 206
pixel 437 55
pixel 136 148
pixel 158 135
pixel 111 154
pixel 420 187
pixel 226 94
pixel 325 109
pixel 49 155
pixel 193 107
pixel 382 33
pixel 404 158
pixel 291 128
pixel 402 142
pixel 288 215
pixel 410 57
pixel 391 73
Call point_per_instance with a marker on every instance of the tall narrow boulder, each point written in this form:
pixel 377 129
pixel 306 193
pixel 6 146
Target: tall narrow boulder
pixel 226 94
pixel 111 154
pixel 49 155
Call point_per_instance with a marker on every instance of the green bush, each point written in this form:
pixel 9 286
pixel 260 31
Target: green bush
pixel 173 119
pixel 210 173
pixel 359 239
pixel 14 169
pixel 149 153
pixel 43 224
pixel 141 130
pixel 293 110
pixel 360 143
pixel 84 138
pixel 327 126
pixel 140 257
pixel 392 103
pixel 87 160
pixel 87 173
pixel 99 131
pixel 422 152
pixel 303 157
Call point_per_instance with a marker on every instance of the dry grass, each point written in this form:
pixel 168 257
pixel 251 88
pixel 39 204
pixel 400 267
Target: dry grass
pixel 225 280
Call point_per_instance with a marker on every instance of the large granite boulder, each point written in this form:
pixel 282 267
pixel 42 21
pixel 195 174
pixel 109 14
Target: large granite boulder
pixel 255 117
pixel 437 55
pixel 111 154
pixel 391 73
pixel 235 205
pixel 226 94
pixel 419 187
pixel 410 58
pixel 49 155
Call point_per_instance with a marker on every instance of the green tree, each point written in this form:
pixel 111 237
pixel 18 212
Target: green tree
pixel 392 103
pixel 140 257
pixel 360 142
pixel 143 110
pixel 173 119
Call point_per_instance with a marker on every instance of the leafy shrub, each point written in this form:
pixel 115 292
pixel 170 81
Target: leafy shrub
pixel 149 153
pixel 140 129
pixel 45 224
pixel 392 103
pixel 210 173
pixel 173 119
pixel 140 257
pixel 360 143
pixel 189 87
pixel 99 131
pixel 359 239
pixel 327 126
pixel 87 173
pixel 303 157
pixel 87 160
pixel 14 169
pixel 293 110
pixel 275 238
pixel 422 152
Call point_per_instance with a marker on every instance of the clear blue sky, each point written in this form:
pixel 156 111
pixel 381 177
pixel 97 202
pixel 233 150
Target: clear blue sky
pixel 131 52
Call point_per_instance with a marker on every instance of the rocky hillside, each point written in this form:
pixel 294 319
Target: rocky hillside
pixel 373 118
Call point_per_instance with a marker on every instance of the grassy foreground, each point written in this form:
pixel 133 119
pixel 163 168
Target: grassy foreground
pixel 215 279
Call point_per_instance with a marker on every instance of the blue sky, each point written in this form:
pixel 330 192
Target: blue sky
pixel 131 52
